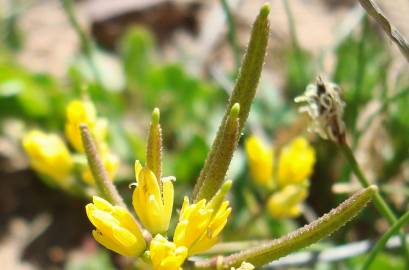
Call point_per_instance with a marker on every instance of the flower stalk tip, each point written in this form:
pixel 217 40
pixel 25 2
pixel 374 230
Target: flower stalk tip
pixel 265 10
pixel 235 110
pixel 155 116
pixel 154 149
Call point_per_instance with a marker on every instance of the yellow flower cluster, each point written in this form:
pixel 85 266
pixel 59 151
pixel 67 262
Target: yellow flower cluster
pixel 79 112
pixel 165 255
pixel 296 162
pixel 289 176
pixel 200 224
pixel 50 156
pixel 286 203
pixel 261 160
pixel 197 230
pixel 83 112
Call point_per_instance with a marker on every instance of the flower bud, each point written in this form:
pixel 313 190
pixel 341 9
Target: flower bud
pixel 152 205
pixel 48 155
pixel 116 229
pixel 296 162
pixel 261 159
pixel 166 255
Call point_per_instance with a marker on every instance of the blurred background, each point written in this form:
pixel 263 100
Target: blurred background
pixel 182 56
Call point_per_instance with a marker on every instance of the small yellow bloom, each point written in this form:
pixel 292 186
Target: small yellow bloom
pixel 116 229
pixel 166 255
pixel 48 155
pixel 261 160
pixel 200 224
pixel 287 203
pixel 111 164
pixel 296 162
pixel 152 201
pixel 83 112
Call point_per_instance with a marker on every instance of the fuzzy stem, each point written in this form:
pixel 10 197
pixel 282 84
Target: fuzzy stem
pixel 103 183
pixel 222 157
pixel 384 239
pixel 243 95
pixel 380 204
pixel 154 150
pixel 85 40
pixel 298 239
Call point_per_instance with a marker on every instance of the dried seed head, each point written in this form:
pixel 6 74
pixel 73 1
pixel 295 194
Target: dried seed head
pixel 326 108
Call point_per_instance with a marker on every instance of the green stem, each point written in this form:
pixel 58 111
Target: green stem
pixel 154 149
pixel 232 34
pixel 294 41
pixel 86 43
pixel 379 202
pixel 103 183
pixel 384 239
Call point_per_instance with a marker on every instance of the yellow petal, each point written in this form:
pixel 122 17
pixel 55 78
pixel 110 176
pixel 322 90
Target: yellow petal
pixel 138 169
pixel 102 204
pixel 110 244
pixel 168 194
pixel 125 218
pixel 123 236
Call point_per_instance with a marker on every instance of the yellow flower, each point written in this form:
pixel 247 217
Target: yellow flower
pixel 48 155
pixel 166 255
pixel 116 229
pixel 200 224
pixel 152 201
pixel 111 164
pixel 261 158
pixel 296 162
pixel 79 112
pixel 287 203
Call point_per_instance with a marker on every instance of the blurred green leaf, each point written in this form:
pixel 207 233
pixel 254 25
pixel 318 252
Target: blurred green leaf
pixel 137 52
pixel 189 160
pixel 383 261
pixel 300 71
pixel 98 261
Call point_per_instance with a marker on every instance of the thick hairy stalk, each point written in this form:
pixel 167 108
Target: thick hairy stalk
pixel 298 239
